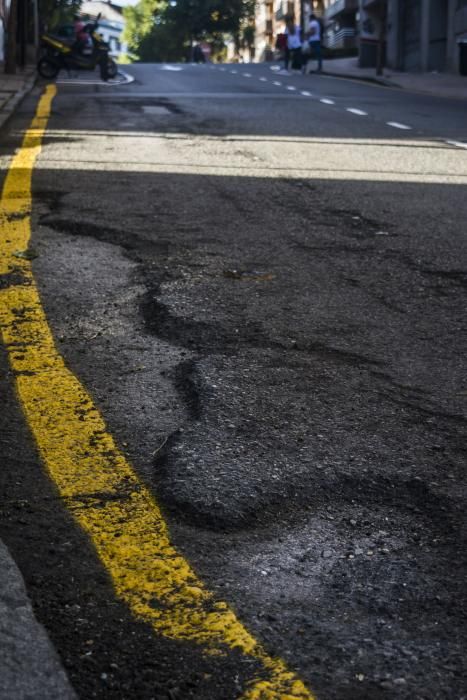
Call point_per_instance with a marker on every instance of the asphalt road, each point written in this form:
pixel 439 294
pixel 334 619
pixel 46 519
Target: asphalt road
pixel 264 294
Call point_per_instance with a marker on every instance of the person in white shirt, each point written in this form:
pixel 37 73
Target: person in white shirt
pixel 294 44
pixel 314 42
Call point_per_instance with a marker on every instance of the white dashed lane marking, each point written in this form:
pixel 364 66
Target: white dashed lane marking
pixel 328 101
pixel 397 125
pixel 121 78
pixel 458 144
pixel 359 112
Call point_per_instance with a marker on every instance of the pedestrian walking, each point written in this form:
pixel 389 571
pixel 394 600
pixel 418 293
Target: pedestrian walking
pixel 293 53
pixel 314 38
pixel 281 46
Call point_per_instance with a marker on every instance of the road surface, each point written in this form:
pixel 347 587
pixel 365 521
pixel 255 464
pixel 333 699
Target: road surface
pixel 240 470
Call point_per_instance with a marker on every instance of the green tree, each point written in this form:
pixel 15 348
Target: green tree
pixel 211 17
pixel 140 22
pixel 55 12
pixel 165 31
pixel 165 42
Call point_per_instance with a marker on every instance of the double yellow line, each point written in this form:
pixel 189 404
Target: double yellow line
pixel 92 476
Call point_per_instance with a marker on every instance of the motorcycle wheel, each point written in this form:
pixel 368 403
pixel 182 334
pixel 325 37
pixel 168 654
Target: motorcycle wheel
pixel 47 69
pixel 112 68
pixel 104 69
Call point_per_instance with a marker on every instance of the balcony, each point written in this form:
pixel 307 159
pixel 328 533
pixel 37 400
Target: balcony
pixel 341 7
pixel 344 38
pixel 280 12
pixel 286 7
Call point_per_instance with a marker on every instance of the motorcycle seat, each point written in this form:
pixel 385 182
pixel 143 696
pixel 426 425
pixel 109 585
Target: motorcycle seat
pixel 67 41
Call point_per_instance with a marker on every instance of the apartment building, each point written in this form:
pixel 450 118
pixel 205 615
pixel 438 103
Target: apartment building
pixel 341 26
pixel 111 23
pixel 27 29
pixel 415 35
pixel 426 35
pixel 265 30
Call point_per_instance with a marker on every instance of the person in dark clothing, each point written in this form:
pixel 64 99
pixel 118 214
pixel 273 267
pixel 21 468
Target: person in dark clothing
pixel 281 45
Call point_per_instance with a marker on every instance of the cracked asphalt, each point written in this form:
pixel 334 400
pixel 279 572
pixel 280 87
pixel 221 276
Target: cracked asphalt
pixel 265 296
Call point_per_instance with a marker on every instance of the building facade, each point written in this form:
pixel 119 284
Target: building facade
pixel 407 35
pixel 341 26
pixel 265 30
pixel 411 35
pixel 111 23
pixel 270 21
pixel 371 18
pixel 426 35
pixel 3 24
pixel 3 17
pixel 27 30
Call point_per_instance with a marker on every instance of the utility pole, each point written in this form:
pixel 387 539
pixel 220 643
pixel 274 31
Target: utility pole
pixel 36 28
pixel 381 40
pixel 22 33
pixel 12 25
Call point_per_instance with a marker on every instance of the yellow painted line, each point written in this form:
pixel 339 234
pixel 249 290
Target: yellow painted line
pixel 92 476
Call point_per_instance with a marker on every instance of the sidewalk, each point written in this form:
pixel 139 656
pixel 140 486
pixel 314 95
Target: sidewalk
pixel 13 88
pixel 438 84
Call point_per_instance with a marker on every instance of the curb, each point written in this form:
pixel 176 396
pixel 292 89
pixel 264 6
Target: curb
pixel 375 80
pixel 363 78
pixel 128 78
pixel 16 97
pixel 112 82
pixel 29 664
pixel 385 82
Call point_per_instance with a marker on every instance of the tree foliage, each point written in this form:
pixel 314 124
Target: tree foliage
pixel 55 12
pixel 140 21
pixel 158 30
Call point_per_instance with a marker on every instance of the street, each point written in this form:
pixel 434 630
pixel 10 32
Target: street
pixel 247 480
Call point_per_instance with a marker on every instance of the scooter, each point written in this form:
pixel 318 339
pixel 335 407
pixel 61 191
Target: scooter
pixel 65 54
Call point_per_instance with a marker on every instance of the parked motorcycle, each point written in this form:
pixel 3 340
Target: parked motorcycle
pixel 67 54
